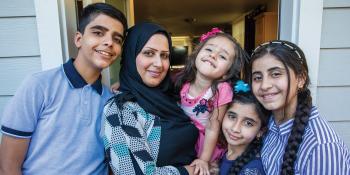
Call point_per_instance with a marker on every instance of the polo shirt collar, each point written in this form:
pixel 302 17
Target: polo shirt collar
pixel 283 129
pixel 77 80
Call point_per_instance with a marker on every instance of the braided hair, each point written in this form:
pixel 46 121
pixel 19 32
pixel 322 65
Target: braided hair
pixel 253 149
pixel 292 57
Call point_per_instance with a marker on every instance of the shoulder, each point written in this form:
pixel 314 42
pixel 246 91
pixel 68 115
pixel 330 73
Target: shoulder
pixel 320 130
pixel 126 108
pixel 225 93
pixel 320 139
pixel 225 89
pixel 225 86
pixel 47 75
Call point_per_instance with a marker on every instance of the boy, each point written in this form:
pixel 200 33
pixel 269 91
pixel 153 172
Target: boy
pixel 52 124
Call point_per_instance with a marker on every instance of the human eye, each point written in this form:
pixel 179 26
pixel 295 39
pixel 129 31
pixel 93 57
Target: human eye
pixel 118 40
pixel 223 57
pixel 208 49
pixel 148 53
pixel 164 55
pixel 231 116
pixel 97 32
pixel 276 74
pixel 256 77
pixel 248 123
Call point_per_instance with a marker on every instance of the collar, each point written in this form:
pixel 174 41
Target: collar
pixel 282 129
pixel 77 80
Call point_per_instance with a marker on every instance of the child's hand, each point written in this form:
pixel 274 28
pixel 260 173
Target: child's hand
pixel 115 86
pixel 201 167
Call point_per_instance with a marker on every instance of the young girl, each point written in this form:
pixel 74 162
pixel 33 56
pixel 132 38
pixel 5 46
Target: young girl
pixel 205 92
pixel 243 126
pixel 299 141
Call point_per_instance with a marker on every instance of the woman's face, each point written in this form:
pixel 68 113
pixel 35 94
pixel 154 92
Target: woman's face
pixel 270 84
pixel 152 63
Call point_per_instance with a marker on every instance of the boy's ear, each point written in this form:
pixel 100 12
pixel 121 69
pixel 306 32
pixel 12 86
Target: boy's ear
pixel 77 39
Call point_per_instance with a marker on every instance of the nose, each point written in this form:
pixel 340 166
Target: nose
pixel 236 127
pixel 214 54
pixel 108 41
pixel 157 61
pixel 265 84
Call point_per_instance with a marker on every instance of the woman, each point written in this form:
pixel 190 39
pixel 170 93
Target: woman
pixel 146 132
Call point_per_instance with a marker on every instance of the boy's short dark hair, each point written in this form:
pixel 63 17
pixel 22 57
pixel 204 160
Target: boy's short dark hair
pixel 91 11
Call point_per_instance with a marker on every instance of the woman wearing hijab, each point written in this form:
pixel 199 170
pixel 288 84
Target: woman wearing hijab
pixel 145 131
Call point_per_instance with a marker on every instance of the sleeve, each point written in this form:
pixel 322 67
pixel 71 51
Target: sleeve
pixel 23 110
pixel 330 158
pixel 132 141
pixel 225 94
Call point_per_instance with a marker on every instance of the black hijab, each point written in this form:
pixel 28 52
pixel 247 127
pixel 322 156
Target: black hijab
pixel 154 100
pixel 178 134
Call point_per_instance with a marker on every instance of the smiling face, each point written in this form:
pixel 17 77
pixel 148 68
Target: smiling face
pixel 152 63
pixel 215 58
pixel 101 42
pixel 270 84
pixel 241 124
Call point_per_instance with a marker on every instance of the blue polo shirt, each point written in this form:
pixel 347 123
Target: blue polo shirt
pixel 61 115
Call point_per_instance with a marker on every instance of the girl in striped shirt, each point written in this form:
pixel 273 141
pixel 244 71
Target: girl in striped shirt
pixel 298 141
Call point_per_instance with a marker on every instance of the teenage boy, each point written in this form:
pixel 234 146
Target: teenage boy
pixel 52 124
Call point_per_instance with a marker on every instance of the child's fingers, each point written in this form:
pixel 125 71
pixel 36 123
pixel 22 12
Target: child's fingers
pixel 193 163
pixel 200 171
pixel 196 170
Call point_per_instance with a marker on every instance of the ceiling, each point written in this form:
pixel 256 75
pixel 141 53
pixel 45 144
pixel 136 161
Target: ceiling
pixel 193 17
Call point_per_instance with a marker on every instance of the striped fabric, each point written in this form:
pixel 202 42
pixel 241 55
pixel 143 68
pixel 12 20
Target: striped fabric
pixel 321 151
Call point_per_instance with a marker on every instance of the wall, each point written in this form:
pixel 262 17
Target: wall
pixel 19 46
pixel 333 89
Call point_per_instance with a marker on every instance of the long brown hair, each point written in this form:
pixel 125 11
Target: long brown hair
pixel 291 57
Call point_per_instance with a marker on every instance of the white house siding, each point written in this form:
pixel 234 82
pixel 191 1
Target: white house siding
pixel 333 90
pixel 19 47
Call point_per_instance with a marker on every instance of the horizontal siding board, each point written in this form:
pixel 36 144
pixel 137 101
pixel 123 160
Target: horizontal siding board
pixel 3 102
pixel 13 8
pixel 336 3
pixel 335 28
pixel 334 67
pixel 14 70
pixel 342 129
pixel 18 37
pixel 333 103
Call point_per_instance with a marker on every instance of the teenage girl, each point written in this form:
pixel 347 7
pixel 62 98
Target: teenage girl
pixel 299 140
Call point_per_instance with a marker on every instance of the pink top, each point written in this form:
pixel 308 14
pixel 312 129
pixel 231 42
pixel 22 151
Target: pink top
pixel 199 108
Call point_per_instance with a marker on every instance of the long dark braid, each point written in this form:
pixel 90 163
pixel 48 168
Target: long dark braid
pixel 300 122
pixel 293 57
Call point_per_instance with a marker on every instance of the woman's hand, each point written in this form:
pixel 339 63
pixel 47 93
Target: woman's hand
pixel 201 167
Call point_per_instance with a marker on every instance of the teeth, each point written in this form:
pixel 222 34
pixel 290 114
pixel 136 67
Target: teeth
pixel 104 53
